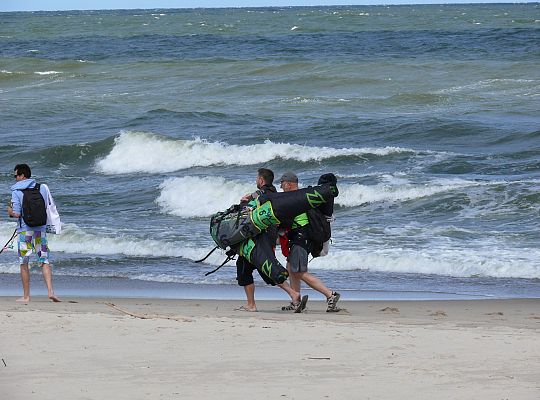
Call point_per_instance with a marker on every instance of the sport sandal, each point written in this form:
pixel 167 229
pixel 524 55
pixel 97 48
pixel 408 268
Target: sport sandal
pixel 331 302
pixel 301 306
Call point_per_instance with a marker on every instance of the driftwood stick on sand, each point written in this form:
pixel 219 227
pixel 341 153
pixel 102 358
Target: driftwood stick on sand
pixel 141 316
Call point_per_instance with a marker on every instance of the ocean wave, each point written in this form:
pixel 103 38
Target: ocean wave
pixel 488 85
pixel 463 263
pixel 199 197
pixel 47 72
pixel 398 190
pixel 489 259
pixel 74 240
pixel 144 152
pixel 182 196
pixel 467 262
pixel 79 154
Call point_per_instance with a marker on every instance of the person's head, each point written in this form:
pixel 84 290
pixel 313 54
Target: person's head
pixel 22 171
pixel 289 181
pixel 265 176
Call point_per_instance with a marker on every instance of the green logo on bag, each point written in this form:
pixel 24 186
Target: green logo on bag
pixel 315 199
pixel 263 216
pixel 246 248
pixel 267 268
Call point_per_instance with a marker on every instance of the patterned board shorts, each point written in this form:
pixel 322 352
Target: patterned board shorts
pixel 33 242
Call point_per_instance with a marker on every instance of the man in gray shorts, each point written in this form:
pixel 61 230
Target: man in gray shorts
pixel 299 246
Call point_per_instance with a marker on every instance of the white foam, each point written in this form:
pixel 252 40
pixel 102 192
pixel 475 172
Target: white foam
pixel 398 190
pixel 466 262
pixel 47 72
pixel 490 257
pixel 74 240
pixel 491 84
pixel 182 196
pixel 145 152
pixel 200 197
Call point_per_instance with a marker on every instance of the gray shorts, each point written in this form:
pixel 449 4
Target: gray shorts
pixel 298 259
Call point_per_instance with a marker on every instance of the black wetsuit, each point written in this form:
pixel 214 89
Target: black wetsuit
pixel 265 240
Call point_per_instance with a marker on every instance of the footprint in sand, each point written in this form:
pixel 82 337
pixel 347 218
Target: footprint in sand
pixel 438 313
pixel 391 310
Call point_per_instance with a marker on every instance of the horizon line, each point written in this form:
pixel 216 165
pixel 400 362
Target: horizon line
pixel 370 4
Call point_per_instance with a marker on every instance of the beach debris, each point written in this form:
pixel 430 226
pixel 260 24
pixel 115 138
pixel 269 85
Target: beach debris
pixel 438 313
pixel 141 316
pixel 341 311
pixel 390 310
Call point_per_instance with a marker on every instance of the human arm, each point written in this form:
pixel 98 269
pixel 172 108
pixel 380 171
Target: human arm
pixel 14 207
pixel 11 213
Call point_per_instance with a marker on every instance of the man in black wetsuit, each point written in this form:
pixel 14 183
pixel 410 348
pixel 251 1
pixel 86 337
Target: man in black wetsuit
pixel 244 269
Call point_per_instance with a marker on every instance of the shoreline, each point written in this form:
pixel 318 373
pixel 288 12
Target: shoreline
pixel 93 287
pixel 523 313
pixel 86 348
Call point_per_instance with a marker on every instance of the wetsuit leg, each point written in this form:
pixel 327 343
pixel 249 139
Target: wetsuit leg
pixel 259 251
pixel 244 271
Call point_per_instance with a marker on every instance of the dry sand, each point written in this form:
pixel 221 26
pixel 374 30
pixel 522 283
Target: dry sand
pixel 85 348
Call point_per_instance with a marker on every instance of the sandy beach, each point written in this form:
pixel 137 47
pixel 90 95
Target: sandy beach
pixel 91 348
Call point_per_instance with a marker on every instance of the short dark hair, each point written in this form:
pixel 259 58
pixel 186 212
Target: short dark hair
pixel 23 169
pixel 267 175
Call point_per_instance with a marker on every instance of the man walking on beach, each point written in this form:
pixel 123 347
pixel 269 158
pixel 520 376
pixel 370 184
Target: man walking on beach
pixel 31 227
pixel 299 247
pixel 268 238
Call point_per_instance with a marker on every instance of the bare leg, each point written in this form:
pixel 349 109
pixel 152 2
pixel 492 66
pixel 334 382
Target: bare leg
pixel 25 279
pixel 294 278
pixel 250 296
pixel 47 276
pixel 295 296
pixel 313 282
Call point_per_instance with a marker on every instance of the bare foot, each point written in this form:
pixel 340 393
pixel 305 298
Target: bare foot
pixel 246 308
pixel 54 298
pixel 23 300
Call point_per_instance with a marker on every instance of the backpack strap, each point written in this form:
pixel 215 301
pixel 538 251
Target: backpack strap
pixel 208 255
pixel 230 256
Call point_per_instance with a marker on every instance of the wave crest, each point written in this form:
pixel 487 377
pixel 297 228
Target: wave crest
pixel 144 152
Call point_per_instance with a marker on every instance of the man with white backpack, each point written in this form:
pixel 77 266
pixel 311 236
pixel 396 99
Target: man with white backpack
pixel 33 206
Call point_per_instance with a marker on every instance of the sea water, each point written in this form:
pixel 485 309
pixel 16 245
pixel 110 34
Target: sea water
pixel 146 122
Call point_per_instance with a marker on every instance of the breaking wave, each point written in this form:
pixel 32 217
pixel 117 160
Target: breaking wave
pixel 149 153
